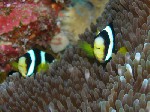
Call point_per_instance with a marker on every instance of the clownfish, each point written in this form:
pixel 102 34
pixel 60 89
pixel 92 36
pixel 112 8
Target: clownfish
pixel 104 45
pixel 34 61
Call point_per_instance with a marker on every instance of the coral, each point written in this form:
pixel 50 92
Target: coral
pixel 13 17
pixel 75 19
pixel 59 42
pixel 76 83
pixel 7 52
pixel 27 22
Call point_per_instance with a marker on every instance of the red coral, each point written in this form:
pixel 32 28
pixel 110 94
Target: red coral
pixel 8 50
pixel 36 19
pixel 6 53
pixel 22 13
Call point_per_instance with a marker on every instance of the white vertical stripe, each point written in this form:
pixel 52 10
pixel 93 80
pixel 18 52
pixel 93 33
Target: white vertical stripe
pixel 42 57
pixel 111 38
pixel 32 65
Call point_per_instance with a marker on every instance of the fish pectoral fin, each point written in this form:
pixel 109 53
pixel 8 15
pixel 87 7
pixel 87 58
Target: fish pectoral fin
pixel 86 47
pixel 14 65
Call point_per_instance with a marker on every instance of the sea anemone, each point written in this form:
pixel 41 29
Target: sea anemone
pixel 77 83
pixel 73 83
pixel 130 20
pixel 129 81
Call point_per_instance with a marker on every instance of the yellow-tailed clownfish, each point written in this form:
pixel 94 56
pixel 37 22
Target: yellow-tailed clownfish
pixel 33 61
pixel 104 45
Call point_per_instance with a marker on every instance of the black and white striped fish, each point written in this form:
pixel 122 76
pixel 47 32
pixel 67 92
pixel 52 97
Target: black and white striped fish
pixel 104 45
pixel 30 61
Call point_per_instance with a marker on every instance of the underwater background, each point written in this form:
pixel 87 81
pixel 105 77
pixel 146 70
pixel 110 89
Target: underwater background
pixel 75 82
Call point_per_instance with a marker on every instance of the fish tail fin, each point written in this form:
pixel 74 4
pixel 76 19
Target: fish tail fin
pixel 123 50
pixel 42 67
